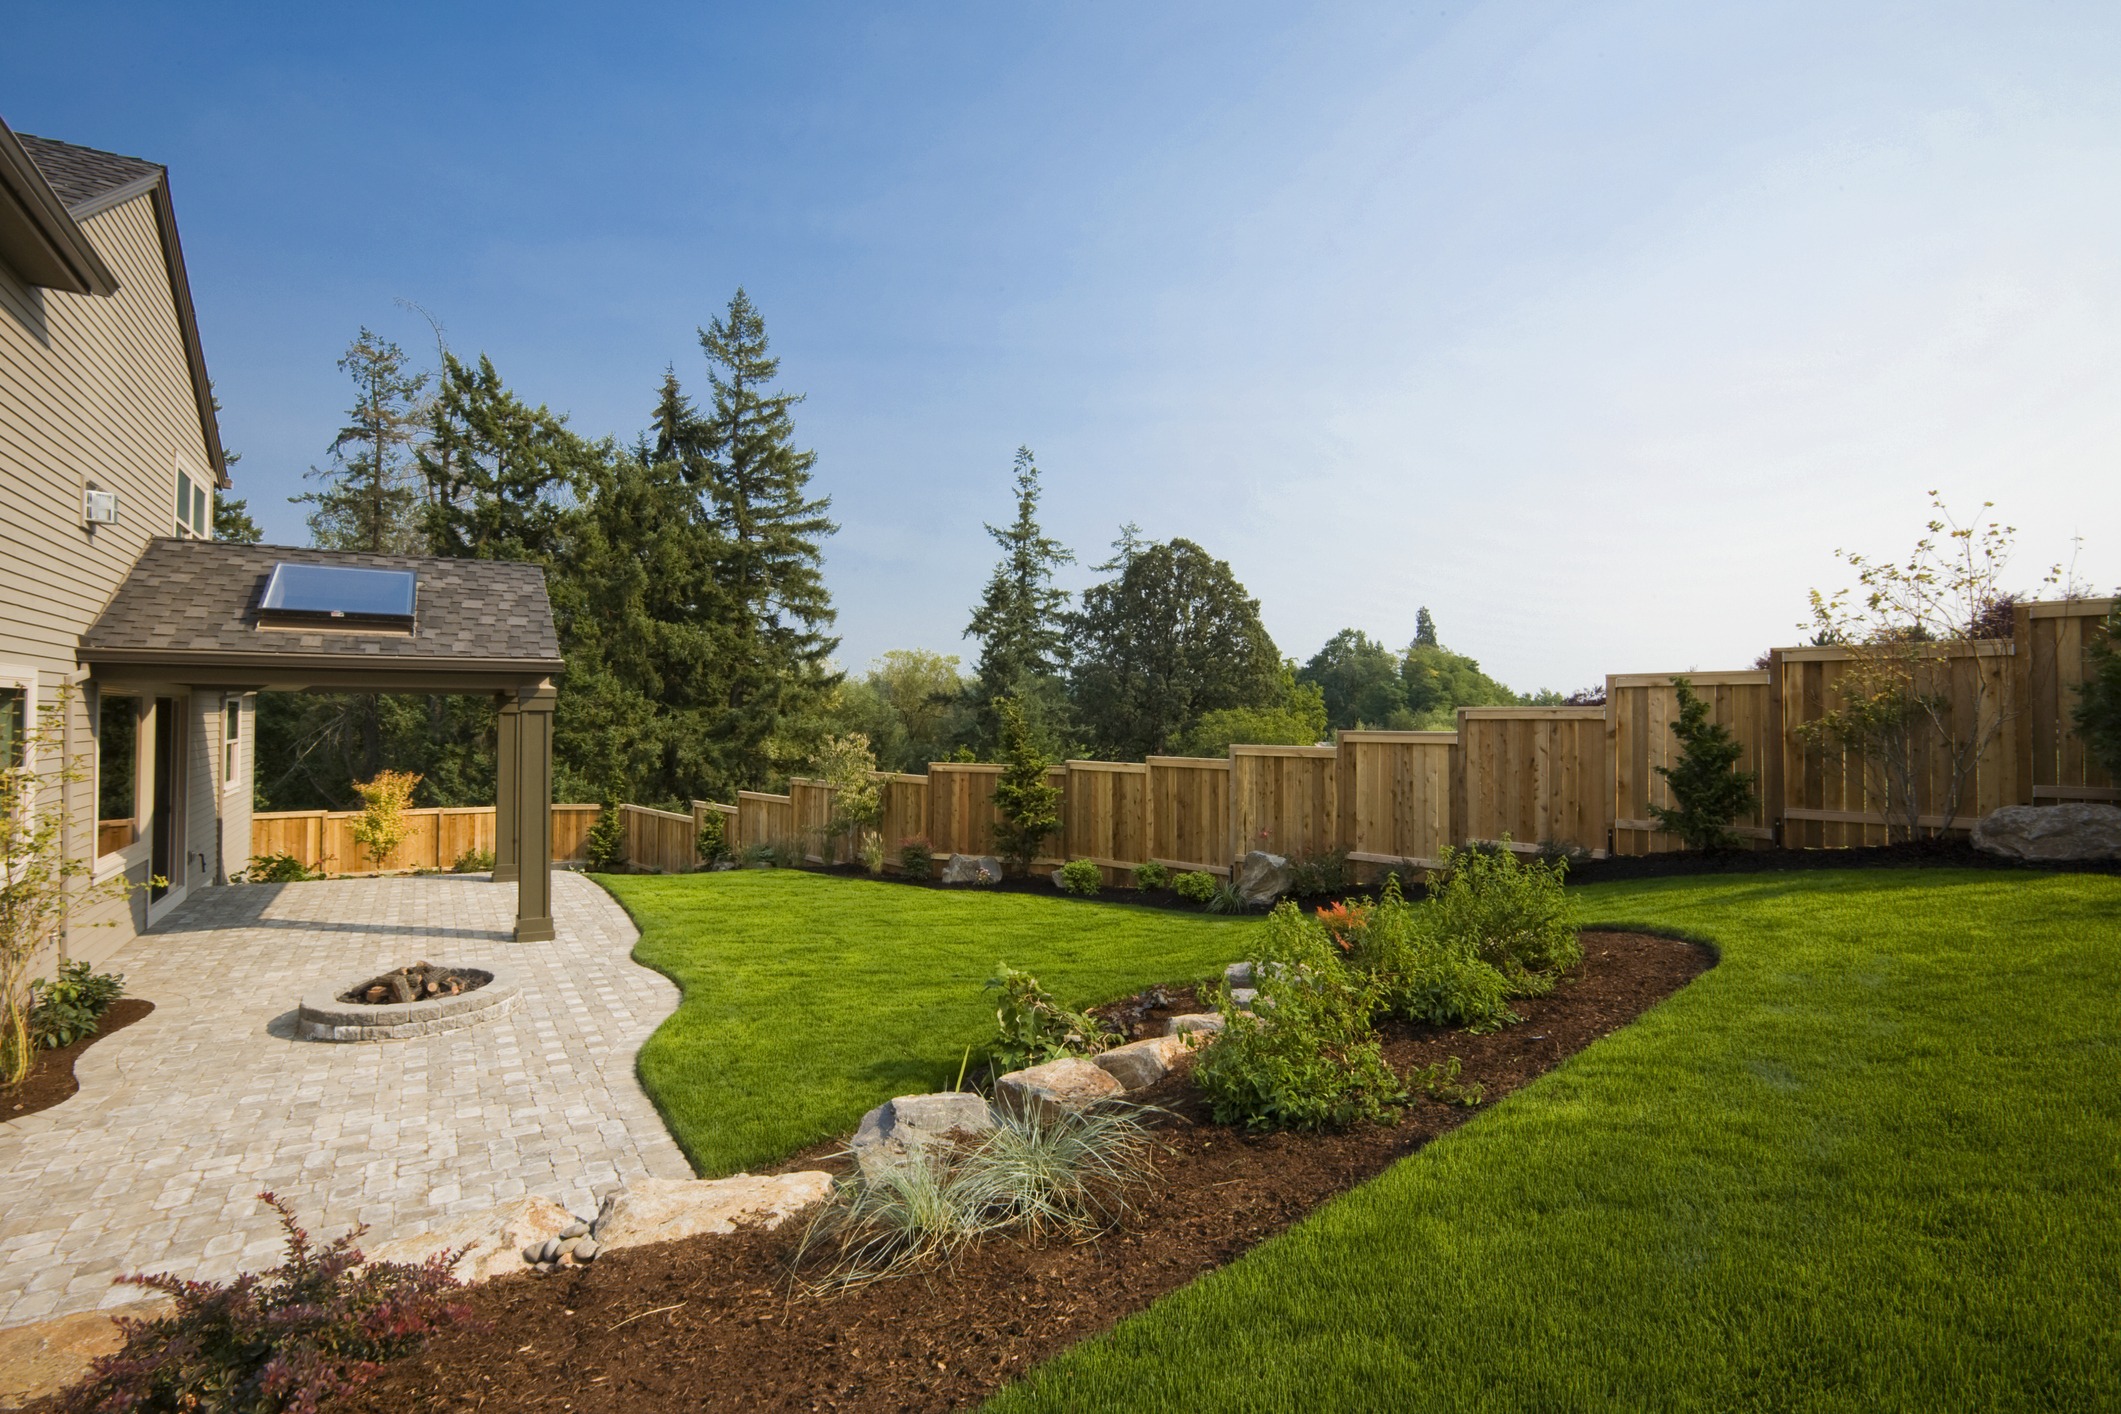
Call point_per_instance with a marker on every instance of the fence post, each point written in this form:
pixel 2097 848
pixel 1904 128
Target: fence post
pixel 1774 783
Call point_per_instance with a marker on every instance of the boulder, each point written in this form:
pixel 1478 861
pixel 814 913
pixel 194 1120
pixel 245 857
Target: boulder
pixel 666 1209
pixel 492 1242
pixel 1069 1085
pixel 972 869
pixel 1209 1023
pixel 899 1129
pixel 1243 997
pixel 1238 974
pixel 2076 831
pixel 1263 878
pixel 1140 1064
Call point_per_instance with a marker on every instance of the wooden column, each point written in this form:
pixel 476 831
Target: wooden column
pixel 529 821
pixel 505 868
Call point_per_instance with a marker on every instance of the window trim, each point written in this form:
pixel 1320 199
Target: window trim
pixel 231 745
pixel 128 857
pixel 194 496
pixel 23 678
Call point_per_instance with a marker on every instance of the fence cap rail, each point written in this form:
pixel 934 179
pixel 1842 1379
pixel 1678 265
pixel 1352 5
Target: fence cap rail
pixel 994 768
pixel 2070 608
pixel 1128 767
pixel 1734 677
pixel 658 814
pixel 1367 736
pixel 1957 648
pixel 1298 752
pixel 1191 763
pixel 1531 714
pixel 768 796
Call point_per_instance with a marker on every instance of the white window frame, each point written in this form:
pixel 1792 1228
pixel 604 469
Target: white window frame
pixel 118 861
pixel 231 743
pixel 24 678
pixel 196 521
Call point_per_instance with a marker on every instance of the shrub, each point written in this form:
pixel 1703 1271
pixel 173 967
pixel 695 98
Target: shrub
pixel 1081 876
pixel 712 841
pixel 1708 789
pixel 381 826
pixel 1318 1062
pixel 916 857
pixel 1032 1028
pixel 65 1008
pixel 1227 898
pixel 605 844
pixel 1152 876
pixel 322 1323
pixel 1028 803
pixel 1516 917
pixel 2098 710
pixel 1318 874
pixel 1440 1080
pixel 278 869
pixel 1423 972
pixel 1198 886
pixel 473 861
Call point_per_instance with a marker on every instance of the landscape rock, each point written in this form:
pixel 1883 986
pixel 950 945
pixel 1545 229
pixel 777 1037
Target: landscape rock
pixel 665 1209
pixel 911 1124
pixel 972 869
pixel 1238 974
pixel 494 1242
pixel 1263 878
pixel 2075 831
pixel 1208 1022
pixel 586 1250
pixel 42 1359
pixel 1069 1085
pixel 1140 1064
pixel 1243 997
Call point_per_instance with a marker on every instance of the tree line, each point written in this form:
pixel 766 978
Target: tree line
pixel 685 569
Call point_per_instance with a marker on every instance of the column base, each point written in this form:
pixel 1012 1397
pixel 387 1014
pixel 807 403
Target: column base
pixel 534 930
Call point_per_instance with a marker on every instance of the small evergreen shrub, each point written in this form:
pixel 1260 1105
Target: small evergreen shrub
pixel 1197 886
pixel 1152 875
pixel 1029 804
pixel 473 861
pixel 1317 1062
pixel 1319 874
pixel 277 869
pixel 321 1323
pixel 1032 1028
pixel 1516 917
pixel 65 1008
pixel 1081 876
pixel 1708 789
pixel 605 844
pixel 916 858
pixel 712 841
pixel 2098 710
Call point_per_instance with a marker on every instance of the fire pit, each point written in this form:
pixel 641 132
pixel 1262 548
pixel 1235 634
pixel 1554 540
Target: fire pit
pixel 420 1000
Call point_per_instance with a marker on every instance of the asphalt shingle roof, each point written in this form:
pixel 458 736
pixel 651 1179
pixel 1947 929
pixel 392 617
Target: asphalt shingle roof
pixel 81 174
pixel 201 596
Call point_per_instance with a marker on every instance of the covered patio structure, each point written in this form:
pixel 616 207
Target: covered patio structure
pixel 233 618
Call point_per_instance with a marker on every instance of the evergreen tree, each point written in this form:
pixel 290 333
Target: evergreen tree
pixel 1029 804
pixel 1171 637
pixel 1438 682
pixel 1707 785
pixel 369 499
pixel 502 476
pixel 232 521
pixel 1019 621
pixel 778 679
pixel 2098 710
pixel 1425 629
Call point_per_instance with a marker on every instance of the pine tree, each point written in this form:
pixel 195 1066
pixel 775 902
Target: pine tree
pixel 502 476
pixel 369 500
pixel 232 522
pixel 778 677
pixel 1707 785
pixel 1029 804
pixel 1425 628
pixel 1019 621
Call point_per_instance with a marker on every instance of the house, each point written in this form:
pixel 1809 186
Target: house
pixel 120 615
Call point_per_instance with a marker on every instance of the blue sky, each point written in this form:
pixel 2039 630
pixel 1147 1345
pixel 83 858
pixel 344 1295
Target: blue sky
pixel 1594 327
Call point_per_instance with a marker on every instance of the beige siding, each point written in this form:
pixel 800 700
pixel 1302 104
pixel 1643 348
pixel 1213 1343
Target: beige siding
pixel 96 392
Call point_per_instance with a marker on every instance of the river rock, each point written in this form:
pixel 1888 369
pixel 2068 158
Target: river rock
pixel 665 1209
pixel 2075 831
pixel 912 1124
pixel 493 1242
pixel 972 869
pixel 1069 1085
pixel 1140 1064
pixel 1209 1023
pixel 1263 878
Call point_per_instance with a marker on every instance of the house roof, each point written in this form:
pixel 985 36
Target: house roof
pixel 47 188
pixel 188 612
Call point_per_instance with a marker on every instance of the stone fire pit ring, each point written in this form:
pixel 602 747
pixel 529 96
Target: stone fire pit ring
pixel 323 1017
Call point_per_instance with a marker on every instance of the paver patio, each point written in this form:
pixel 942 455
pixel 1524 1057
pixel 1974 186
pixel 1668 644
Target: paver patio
pixel 183 1117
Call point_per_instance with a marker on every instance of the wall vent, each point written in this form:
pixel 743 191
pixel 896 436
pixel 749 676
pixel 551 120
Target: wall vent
pixel 99 507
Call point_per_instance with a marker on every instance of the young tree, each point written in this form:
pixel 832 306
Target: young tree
pixel 369 499
pixel 1028 804
pixel 1171 637
pixel 1359 680
pixel 1914 699
pixel 1020 619
pixel 778 680
pixel 848 766
pixel 2098 712
pixel 1709 790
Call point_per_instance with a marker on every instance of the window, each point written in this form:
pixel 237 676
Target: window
pixel 231 741
pixel 194 517
pixel 14 724
pixel 117 773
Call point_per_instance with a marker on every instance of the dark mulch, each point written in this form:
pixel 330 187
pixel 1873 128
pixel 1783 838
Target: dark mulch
pixel 708 1323
pixel 51 1075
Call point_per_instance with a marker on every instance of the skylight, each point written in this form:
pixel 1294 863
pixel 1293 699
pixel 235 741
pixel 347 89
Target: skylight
pixel 338 596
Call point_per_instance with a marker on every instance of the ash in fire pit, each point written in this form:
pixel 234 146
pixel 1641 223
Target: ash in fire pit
pixel 419 982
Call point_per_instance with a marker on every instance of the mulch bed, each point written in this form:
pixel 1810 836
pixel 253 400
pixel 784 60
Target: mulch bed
pixel 708 1323
pixel 51 1074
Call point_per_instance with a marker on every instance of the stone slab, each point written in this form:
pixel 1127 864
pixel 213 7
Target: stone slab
pixel 664 1210
pixel 1069 1085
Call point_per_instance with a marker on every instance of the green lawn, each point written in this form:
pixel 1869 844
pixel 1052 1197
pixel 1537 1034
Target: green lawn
pixel 1868 1162
pixel 810 998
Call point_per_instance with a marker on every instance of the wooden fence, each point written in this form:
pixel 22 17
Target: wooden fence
pixel 1572 777
pixel 323 839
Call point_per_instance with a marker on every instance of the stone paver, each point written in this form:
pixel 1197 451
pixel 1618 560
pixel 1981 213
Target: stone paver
pixel 183 1117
